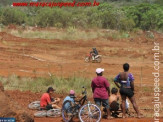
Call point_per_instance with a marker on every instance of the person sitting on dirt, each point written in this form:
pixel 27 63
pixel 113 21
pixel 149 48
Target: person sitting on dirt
pixel 94 53
pixel 114 101
pixel 126 81
pixel 70 97
pixel 101 91
pixel 47 102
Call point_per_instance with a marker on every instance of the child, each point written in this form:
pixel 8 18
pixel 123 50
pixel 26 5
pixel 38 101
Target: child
pixel 70 97
pixel 113 100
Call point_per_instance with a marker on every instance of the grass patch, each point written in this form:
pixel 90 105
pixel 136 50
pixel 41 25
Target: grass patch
pixel 24 44
pixel 70 33
pixel 5 42
pixel 147 89
pixel 120 35
pixel 40 84
pixel 8 43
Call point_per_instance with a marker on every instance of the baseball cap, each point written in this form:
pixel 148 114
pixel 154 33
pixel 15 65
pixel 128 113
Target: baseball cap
pixel 99 70
pixel 51 89
pixel 72 92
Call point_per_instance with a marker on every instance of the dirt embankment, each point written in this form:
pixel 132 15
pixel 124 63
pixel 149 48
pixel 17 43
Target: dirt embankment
pixel 11 108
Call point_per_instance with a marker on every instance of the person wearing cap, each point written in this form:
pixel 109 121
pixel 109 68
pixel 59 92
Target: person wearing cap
pixel 47 102
pixel 70 97
pixel 101 90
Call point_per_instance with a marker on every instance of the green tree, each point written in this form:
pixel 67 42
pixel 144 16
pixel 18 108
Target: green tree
pixel 13 16
pixel 146 16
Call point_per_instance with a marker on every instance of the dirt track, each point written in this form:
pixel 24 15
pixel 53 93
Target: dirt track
pixel 39 57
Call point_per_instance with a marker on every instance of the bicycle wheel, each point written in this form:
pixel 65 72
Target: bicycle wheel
pixel 40 114
pixel 68 111
pixel 90 113
pixel 34 105
pixel 54 113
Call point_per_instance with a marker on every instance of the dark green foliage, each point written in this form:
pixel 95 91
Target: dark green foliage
pixel 160 2
pixel 146 16
pixel 12 16
pixel 52 17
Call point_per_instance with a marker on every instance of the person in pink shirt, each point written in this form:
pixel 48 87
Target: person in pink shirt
pixel 101 90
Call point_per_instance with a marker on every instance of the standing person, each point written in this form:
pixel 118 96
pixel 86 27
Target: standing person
pixel 125 81
pixel 101 90
pixel 47 102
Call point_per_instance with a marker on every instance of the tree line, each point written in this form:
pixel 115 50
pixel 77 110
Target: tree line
pixel 144 16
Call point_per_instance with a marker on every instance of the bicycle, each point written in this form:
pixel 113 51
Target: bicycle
pixel 86 113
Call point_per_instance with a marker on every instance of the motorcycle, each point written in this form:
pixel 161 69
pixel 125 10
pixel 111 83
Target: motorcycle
pixel 96 59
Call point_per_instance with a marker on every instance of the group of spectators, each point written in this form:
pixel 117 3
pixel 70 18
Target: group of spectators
pixel 102 94
pixel 101 91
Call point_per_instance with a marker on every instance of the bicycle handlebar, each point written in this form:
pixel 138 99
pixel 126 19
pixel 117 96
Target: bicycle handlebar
pixel 83 87
pixel 85 90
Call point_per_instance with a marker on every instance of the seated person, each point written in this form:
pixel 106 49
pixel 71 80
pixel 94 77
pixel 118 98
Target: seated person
pixel 70 97
pixel 47 102
pixel 113 101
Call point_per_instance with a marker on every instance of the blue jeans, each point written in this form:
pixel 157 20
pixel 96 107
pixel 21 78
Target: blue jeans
pixel 104 102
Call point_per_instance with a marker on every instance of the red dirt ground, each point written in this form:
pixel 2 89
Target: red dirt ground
pixel 142 100
pixel 39 57
pixel 10 108
pixel 66 58
pixel 112 120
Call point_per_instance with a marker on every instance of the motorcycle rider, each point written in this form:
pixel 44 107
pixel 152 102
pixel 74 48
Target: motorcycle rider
pixel 94 53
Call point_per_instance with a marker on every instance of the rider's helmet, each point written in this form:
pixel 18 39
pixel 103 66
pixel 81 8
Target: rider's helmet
pixel 94 48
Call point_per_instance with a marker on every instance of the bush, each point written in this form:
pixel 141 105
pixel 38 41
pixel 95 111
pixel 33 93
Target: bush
pixel 114 18
pixel 52 17
pixel 13 16
pixel 146 16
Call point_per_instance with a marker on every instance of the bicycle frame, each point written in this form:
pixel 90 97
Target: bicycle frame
pixel 77 107
pixel 83 99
